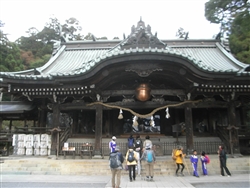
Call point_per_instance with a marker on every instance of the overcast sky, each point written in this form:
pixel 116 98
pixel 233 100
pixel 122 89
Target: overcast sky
pixel 110 18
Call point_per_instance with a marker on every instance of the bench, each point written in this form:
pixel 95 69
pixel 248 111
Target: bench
pixel 87 148
pixel 69 149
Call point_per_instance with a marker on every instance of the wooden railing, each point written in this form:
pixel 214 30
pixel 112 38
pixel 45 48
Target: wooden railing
pixel 161 148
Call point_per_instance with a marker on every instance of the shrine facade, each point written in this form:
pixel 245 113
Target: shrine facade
pixel 140 84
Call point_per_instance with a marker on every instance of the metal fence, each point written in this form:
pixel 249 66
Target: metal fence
pixel 161 148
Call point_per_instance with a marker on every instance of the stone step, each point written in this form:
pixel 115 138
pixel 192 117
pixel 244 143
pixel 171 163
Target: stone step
pixel 164 166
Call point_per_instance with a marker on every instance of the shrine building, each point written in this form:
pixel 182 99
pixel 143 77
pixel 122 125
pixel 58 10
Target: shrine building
pixel 140 84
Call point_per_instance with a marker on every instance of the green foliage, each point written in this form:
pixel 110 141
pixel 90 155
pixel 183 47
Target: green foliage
pixel 10 59
pixel 239 40
pixel 233 16
pixel 88 36
pixel 40 61
pixel 224 11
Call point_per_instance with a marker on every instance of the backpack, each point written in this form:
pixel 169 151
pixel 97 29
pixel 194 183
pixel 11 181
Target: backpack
pixel 114 160
pixel 149 156
pixel 173 154
pixel 131 157
pixel 208 159
pixel 138 143
pixel 130 142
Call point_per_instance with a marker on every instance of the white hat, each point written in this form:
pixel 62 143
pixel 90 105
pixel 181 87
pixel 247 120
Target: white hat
pixel 148 146
pixel 113 138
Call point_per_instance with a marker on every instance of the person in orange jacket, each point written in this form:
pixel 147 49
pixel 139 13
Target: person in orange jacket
pixel 179 160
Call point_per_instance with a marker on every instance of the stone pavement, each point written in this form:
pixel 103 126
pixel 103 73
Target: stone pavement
pixel 42 181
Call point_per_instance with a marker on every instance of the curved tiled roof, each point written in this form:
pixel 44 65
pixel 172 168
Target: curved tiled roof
pixel 79 57
pixel 211 58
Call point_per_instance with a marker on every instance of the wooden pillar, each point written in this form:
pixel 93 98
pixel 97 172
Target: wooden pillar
pixel 10 126
pixel 211 121
pixel 55 122
pixel 42 118
pixel 75 122
pixel 233 133
pixel 98 132
pixel 1 124
pixel 189 129
pixel 232 114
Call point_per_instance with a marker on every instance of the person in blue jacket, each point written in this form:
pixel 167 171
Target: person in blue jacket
pixel 194 160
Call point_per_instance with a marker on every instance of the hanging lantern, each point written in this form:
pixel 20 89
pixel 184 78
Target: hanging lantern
pixel 167 113
pixel 120 114
pixel 143 92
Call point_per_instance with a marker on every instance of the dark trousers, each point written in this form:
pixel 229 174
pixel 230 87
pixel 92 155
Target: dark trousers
pixel 130 168
pixel 178 167
pixel 224 166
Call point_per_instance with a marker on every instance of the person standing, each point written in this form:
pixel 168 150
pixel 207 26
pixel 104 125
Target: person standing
pixel 112 144
pixel 204 161
pixel 131 158
pixel 179 160
pixel 223 159
pixel 147 141
pixel 149 156
pixel 131 141
pixel 138 149
pixel 194 160
pixel 116 159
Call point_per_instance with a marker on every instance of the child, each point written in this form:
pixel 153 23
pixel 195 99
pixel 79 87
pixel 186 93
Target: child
pixel 194 161
pixel 204 161
pixel 179 160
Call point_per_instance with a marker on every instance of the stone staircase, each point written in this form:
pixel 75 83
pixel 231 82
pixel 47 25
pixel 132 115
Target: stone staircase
pixel 52 166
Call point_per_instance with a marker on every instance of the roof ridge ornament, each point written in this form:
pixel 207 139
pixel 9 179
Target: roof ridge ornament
pixel 142 37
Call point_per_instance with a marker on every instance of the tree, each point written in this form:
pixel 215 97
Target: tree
pixel 70 30
pixel 239 40
pixel 233 16
pixel 89 36
pixel 10 59
pixel 224 11
pixel 32 31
